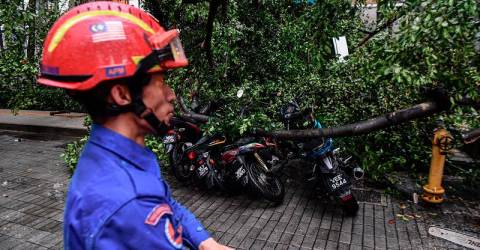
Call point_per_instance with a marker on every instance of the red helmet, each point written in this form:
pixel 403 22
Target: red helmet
pixel 100 41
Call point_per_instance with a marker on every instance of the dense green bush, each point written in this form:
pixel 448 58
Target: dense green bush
pixel 25 25
pixel 284 51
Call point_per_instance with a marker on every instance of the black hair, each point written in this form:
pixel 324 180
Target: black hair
pixel 95 100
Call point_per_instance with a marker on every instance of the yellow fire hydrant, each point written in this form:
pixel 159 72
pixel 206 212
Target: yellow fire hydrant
pixel 441 144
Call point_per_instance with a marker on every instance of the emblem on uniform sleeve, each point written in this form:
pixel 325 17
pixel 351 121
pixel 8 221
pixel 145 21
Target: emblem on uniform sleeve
pixel 174 236
pixel 157 213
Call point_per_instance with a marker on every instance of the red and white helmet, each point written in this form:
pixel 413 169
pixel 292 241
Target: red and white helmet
pixel 100 41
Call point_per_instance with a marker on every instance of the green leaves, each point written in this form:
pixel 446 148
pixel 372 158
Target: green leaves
pixel 24 29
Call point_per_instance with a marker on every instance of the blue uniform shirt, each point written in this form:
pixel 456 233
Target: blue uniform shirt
pixel 118 200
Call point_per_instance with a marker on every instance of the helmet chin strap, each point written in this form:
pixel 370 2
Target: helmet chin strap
pixel 139 108
pixel 159 127
pixel 135 84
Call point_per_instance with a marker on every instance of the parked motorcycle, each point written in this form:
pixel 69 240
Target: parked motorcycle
pixel 209 161
pixel 250 165
pixel 326 170
pixel 197 162
pixel 185 134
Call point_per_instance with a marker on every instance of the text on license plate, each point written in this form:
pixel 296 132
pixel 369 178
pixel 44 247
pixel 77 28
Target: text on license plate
pixel 337 181
pixel 202 170
pixel 169 139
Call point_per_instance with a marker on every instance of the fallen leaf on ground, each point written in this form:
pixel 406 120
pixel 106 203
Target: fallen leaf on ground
pixel 402 217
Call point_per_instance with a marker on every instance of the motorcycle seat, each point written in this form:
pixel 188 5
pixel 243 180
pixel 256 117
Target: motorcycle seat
pixel 209 139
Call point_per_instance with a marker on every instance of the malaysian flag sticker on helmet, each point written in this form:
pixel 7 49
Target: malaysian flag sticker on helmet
pixel 107 31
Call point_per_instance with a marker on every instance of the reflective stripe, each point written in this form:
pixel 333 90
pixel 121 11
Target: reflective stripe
pixel 137 59
pixel 80 17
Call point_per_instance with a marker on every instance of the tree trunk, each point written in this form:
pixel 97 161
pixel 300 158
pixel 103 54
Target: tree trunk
pixel 157 12
pixel 369 35
pixel 1 38
pixel 418 111
pixel 212 11
pixel 31 7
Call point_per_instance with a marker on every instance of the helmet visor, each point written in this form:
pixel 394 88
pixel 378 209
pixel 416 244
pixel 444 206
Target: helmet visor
pixel 177 50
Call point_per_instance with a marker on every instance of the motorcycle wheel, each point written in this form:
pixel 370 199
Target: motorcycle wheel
pixel 216 180
pixel 350 206
pixel 268 185
pixel 180 168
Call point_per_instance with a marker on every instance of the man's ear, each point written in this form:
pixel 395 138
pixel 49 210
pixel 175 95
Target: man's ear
pixel 120 95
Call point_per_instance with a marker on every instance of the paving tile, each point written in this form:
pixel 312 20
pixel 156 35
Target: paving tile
pixel 286 238
pixel 9 242
pixel 308 242
pixel 258 244
pixel 345 237
pixel 333 236
pixel 297 240
pixel 319 244
pixel 226 238
pixel 356 247
pixel 343 246
pixel 50 240
pixel 331 245
pixel 269 245
pixel 37 236
pixel 246 243
pixel 28 246
pixel 235 241
pixel 368 240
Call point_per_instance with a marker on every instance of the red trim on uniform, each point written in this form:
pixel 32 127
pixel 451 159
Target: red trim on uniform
pixel 157 213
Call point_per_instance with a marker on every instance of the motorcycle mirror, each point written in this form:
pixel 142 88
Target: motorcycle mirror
pixel 240 93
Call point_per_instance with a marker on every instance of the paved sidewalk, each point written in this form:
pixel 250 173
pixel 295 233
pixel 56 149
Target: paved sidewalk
pixel 33 181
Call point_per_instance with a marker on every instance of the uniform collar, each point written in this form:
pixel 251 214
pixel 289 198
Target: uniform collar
pixel 127 149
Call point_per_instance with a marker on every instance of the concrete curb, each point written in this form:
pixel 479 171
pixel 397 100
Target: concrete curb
pixel 43 122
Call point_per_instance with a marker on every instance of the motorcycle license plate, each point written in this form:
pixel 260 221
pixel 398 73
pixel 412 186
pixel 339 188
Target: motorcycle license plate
pixel 240 173
pixel 202 170
pixel 169 139
pixel 337 182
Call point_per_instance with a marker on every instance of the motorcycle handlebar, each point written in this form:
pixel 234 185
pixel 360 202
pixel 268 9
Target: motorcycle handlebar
pixel 471 136
pixel 296 115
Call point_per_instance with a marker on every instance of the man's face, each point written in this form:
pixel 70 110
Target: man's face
pixel 160 98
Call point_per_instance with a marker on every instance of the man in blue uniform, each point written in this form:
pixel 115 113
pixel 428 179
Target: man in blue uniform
pixel 111 57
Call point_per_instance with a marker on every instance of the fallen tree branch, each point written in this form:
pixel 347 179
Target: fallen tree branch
pixel 182 105
pixel 363 127
pixel 189 114
pixel 195 117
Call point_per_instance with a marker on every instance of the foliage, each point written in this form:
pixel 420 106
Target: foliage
pixel 284 51
pixel 24 27
pixel 72 153
pixel 434 47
